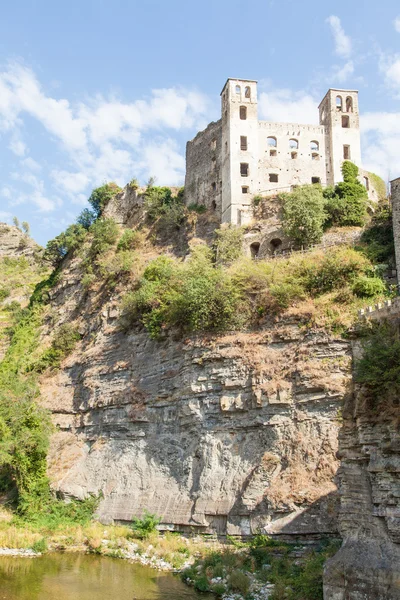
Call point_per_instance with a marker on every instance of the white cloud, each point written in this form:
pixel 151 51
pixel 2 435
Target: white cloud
pixel 342 41
pixel 285 105
pixel 31 164
pixel 342 73
pixel 396 24
pixel 390 69
pixel 17 146
pixel 104 138
pixel 5 216
pixel 164 162
pixel 380 141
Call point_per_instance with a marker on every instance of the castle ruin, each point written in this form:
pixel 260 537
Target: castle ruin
pixel 239 157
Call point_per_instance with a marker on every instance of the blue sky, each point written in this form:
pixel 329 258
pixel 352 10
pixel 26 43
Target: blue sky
pixel 110 90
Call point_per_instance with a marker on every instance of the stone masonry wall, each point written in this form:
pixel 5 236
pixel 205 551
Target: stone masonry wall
pixel 203 182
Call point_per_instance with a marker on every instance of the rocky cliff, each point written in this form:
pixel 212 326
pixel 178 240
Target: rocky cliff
pixel 233 433
pixel 367 567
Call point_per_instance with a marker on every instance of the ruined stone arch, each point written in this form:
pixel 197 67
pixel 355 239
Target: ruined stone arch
pixel 271 141
pixel 293 144
pixel 349 104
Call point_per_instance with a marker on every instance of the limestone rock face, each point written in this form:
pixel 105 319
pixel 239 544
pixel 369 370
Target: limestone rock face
pixel 14 243
pixel 367 566
pixel 236 433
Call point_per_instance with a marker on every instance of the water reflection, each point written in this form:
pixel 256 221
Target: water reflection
pixel 83 577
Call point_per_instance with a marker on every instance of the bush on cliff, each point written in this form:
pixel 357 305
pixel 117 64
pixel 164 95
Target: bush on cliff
pixel 68 241
pixel 100 197
pixel 304 214
pixel 347 205
pixel 379 367
pixel 191 296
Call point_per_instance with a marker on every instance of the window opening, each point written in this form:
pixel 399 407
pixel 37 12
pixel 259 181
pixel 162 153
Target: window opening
pixel 315 180
pixel 254 249
pixel 315 156
pixel 275 243
pixel 349 104
pixel 213 144
pixel 314 146
pixel 245 189
pixel 293 155
pixel 243 142
pixel 346 152
pixel 243 113
pixel 339 102
pixel 366 183
pixel 214 186
pixel 244 169
pixel 247 92
pixel 293 144
pixel 237 89
pixel 273 177
pixel 272 152
pixel 345 121
pixel 213 205
pixel 271 141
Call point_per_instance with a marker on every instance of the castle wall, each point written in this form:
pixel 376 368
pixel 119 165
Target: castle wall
pixel 203 181
pixel 395 195
pixel 233 160
pixel 299 170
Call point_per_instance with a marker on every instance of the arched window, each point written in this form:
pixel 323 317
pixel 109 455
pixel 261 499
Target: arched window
pixel 314 146
pixel 243 113
pixel 247 93
pixel 349 104
pixel 237 89
pixel 254 249
pixel 339 102
pixel 366 183
pixel 275 243
pixel 293 144
pixel 271 141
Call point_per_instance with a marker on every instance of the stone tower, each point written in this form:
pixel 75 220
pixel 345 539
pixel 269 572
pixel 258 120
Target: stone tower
pixel 239 148
pixel 338 113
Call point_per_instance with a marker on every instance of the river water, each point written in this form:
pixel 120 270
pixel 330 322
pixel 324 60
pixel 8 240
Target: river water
pixel 84 577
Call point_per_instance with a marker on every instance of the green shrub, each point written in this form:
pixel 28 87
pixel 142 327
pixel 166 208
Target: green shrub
pixel 88 279
pixel 105 234
pixel 192 296
pixel 379 367
pixel 228 244
pixel 134 184
pixel 239 582
pixel 256 200
pixel 218 589
pixel 68 241
pixel 40 546
pixel 130 240
pixel 304 214
pixel 377 241
pixel 368 287
pixel 348 205
pixel 62 345
pixel 86 218
pixel 101 196
pixel 157 199
pixel 143 527
pixel 198 208
pixel 201 584
pixel 379 185
pixel 4 293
